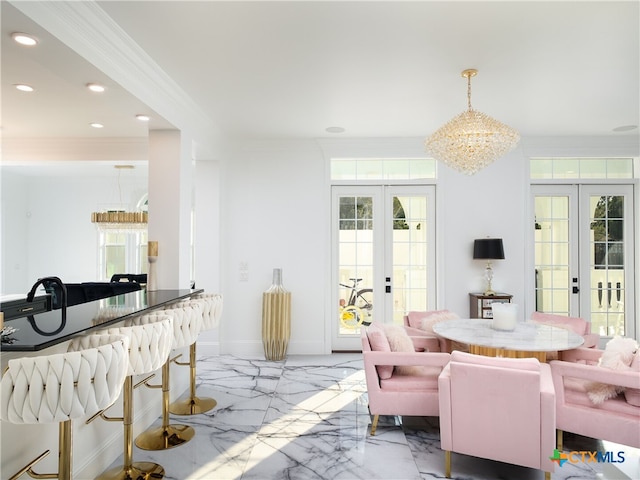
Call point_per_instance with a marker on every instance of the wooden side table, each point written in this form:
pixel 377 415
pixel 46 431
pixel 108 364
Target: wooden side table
pixel 480 304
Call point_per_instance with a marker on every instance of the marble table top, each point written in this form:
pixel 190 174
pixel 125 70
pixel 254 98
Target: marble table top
pixel 527 336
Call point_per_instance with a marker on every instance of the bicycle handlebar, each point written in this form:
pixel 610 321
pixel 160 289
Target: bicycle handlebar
pixel 355 283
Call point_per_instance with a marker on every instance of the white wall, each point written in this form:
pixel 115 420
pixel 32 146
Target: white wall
pixel 13 262
pixel 275 213
pixel 48 229
pixel 491 203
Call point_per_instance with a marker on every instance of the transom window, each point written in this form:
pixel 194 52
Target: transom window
pixel 581 168
pixel 383 168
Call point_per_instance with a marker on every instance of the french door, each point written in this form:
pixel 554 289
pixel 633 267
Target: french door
pixel 584 255
pixel 383 257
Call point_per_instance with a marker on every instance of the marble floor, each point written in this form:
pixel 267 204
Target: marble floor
pixel 307 418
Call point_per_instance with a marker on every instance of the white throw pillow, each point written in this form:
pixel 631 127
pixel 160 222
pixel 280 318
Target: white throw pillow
pixel 399 341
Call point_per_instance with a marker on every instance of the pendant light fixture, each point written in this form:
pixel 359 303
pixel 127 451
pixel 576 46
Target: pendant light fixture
pixel 472 140
pixel 118 218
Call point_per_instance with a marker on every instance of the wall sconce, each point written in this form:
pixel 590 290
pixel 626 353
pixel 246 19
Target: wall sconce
pixel 488 249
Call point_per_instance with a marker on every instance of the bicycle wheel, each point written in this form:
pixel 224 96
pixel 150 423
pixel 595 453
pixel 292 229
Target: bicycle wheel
pixel 351 317
pixel 364 301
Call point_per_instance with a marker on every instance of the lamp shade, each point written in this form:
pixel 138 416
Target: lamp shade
pixel 488 249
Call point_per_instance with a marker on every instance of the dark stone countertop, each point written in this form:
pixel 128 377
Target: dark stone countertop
pixel 37 332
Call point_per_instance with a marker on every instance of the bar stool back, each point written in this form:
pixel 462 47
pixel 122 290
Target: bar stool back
pixel 60 387
pixel 151 336
pixel 187 322
pixel 211 311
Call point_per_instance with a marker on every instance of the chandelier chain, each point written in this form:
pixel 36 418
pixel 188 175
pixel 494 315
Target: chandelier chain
pixel 469 92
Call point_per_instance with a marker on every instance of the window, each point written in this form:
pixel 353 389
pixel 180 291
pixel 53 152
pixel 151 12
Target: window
pixel 122 251
pixel 122 244
pixel 581 168
pixel 382 168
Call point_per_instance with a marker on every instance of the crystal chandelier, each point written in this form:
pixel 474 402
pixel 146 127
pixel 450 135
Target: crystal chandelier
pixel 472 140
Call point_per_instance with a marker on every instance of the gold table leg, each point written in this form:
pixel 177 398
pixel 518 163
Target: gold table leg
pixel 501 352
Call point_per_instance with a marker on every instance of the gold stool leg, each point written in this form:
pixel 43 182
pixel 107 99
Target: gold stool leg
pixel 65 458
pixel 193 404
pixel 166 436
pixel 131 470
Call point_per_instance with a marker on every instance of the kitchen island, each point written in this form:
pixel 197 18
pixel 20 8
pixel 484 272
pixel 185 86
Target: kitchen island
pixel 44 330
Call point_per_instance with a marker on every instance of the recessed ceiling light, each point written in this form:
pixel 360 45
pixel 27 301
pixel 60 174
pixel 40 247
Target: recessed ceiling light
pixel 24 88
pixel 94 87
pixel 96 125
pixel 24 39
pixel 334 129
pixel 625 128
pixel 143 118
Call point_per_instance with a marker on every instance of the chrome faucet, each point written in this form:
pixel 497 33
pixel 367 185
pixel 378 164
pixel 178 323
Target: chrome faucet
pixel 63 290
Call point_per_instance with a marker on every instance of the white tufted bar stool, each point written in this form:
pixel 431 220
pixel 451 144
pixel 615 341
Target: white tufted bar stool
pixel 60 387
pixel 150 336
pixel 187 321
pixel 211 312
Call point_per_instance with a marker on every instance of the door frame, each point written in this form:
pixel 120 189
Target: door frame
pixel 382 257
pixel 579 208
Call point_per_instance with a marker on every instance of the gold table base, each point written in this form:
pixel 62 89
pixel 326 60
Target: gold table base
pixel 501 352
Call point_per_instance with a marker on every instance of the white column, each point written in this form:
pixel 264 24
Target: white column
pixel 170 200
pixel 207 225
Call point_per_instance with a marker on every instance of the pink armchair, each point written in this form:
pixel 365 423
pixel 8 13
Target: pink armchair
pixel 615 420
pixel 504 410
pixel 575 324
pixel 392 392
pixel 425 320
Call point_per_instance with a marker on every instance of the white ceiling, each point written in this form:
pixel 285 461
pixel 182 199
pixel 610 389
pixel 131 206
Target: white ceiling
pixel 378 69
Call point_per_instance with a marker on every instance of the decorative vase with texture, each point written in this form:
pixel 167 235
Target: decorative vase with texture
pixel 276 318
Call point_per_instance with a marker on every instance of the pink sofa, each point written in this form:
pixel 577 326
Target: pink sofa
pixel 615 420
pixel 392 393
pixel 498 408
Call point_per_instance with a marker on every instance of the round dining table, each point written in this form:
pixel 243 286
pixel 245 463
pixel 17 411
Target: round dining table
pixel 528 339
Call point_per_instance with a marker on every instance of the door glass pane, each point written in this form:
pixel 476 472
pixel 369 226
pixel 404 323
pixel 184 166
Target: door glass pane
pixel 409 255
pixel 606 265
pixel 115 254
pixel 355 263
pixel 552 254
